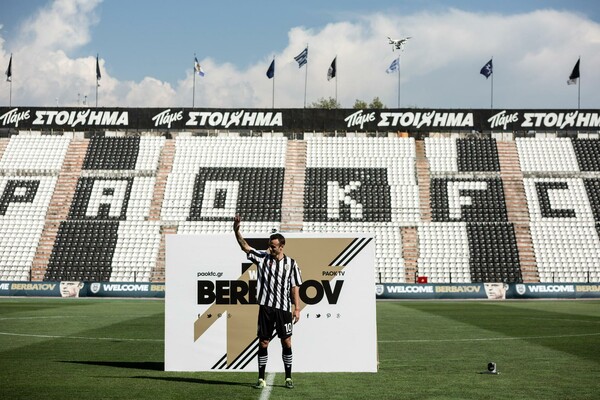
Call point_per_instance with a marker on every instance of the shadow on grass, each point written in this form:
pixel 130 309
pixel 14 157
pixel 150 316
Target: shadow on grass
pixel 156 366
pixel 192 380
pixel 145 365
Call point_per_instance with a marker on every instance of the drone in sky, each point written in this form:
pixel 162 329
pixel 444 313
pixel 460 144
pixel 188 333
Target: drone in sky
pixel 398 43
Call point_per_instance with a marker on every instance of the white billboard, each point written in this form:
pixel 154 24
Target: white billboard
pixel 211 314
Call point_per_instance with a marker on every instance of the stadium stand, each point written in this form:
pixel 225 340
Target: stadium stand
pixel 106 236
pixel 452 209
pixel 213 178
pixel 29 166
pixel 473 240
pixel 561 185
pixel 364 185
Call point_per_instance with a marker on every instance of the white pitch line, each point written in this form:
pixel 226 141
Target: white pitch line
pixel 266 392
pixel 79 337
pixel 47 317
pixel 486 339
pixel 64 316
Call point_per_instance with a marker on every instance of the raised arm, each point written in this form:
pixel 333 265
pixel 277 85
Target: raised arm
pixel 238 235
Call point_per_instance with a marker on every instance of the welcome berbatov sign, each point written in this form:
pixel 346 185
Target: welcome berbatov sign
pixel 211 311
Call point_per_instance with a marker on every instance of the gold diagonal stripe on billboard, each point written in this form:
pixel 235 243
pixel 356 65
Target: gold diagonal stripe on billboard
pixel 313 254
pixel 250 351
pixel 241 323
pixel 316 252
pixel 241 330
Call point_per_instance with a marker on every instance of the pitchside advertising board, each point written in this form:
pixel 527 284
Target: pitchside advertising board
pixel 298 120
pixel 74 289
pixel 488 290
pixel 387 291
pixel 211 311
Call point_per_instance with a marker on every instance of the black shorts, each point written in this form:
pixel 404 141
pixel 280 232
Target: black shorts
pixel 270 318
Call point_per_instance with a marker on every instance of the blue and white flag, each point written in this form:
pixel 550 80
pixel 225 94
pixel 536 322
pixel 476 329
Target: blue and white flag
pixel 487 69
pixel 197 67
pixel 302 58
pixel 393 66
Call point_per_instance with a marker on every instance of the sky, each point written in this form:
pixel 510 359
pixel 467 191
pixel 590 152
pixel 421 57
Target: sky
pixel 146 52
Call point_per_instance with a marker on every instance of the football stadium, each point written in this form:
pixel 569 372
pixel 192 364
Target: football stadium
pixel 473 219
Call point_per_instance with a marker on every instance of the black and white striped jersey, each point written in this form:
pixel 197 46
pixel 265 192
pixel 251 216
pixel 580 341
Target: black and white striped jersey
pixel 275 279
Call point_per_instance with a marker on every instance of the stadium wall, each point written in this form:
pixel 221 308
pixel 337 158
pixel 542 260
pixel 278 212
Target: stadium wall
pixel 454 209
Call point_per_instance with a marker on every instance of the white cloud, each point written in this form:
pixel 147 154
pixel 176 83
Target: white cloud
pixel 62 25
pixel 533 56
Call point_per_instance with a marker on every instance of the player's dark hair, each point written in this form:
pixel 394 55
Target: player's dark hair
pixel 279 237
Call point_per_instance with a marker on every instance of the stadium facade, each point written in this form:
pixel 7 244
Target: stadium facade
pixel 453 197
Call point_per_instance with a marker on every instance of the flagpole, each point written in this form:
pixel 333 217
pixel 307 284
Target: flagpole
pixel 579 88
pixel 9 80
pixel 336 80
pixel 273 95
pixel 194 85
pixel 398 80
pixel 306 76
pixel 97 55
pixel 492 92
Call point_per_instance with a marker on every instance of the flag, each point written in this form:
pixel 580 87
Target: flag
pixel 574 75
pixel 98 74
pixel 197 67
pixel 271 70
pixel 9 70
pixel 332 70
pixel 302 58
pixel 393 66
pixel 487 69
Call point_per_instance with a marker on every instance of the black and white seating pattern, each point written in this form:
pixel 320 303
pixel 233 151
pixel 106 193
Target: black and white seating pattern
pixel 562 186
pixel 29 167
pixel 350 185
pixel 364 185
pixel 470 238
pixel 107 235
pixel 213 178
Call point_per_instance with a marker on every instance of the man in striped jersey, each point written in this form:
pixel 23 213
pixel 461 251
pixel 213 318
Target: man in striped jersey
pixel 278 284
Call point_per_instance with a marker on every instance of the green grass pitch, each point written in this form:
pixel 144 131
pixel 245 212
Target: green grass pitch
pixel 113 349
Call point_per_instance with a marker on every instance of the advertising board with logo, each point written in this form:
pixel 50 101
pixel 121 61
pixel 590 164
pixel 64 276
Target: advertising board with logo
pixel 488 290
pixel 300 120
pixel 211 311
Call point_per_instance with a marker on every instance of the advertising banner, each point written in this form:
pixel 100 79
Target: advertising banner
pixel 211 311
pixel 82 289
pixel 488 290
pixel 553 290
pixel 39 289
pixel 124 289
pixel 298 120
